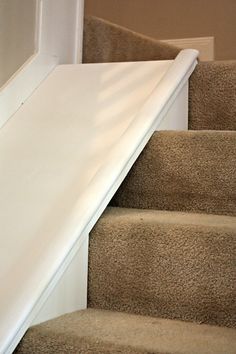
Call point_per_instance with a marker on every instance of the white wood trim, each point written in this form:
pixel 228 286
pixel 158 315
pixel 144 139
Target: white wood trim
pixel 38 26
pixel 79 31
pixel 205 46
pixel 61 234
pixel 59 43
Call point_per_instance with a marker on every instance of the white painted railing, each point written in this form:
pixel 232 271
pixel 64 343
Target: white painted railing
pixel 62 156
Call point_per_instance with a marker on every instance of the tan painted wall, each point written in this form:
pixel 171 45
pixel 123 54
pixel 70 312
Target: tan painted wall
pixel 168 19
pixel 17 32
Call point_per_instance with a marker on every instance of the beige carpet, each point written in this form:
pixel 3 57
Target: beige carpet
pixel 105 332
pixel 164 264
pixel 185 171
pixel 107 42
pixel 212 96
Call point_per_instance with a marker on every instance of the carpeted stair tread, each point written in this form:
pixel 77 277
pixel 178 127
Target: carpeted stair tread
pixel 191 171
pixel 165 264
pixel 212 98
pixel 106 42
pixel 100 332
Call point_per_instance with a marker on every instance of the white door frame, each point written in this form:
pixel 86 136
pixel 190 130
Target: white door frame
pixel 59 28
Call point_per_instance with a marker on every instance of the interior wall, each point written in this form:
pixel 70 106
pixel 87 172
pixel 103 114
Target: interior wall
pixel 17 35
pixel 169 19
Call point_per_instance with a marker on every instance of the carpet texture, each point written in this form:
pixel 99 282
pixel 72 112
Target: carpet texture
pixel 105 332
pixel 164 264
pixel 184 171
pixel 106 42
pixel 212 96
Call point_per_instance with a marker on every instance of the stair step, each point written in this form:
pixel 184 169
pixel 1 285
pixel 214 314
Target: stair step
pixel 212 99
pixel 166 264
pixel 115 44
pixel 185 171
pixel 96 331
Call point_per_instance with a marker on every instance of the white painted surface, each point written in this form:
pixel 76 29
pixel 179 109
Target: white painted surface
pixel 79 32
pixel 205 46
pixel 60 31
pixel 62 156
pixel 17 35
pixel 70 293
pixel 176 118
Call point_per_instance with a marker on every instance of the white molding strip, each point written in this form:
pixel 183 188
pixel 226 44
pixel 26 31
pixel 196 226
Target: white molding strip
pixel 79 32
pixel 68 174
pixel 205 46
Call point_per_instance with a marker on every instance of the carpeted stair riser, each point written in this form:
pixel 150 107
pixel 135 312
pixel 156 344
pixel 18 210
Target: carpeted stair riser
pixel 183 171
pixel 212 99
pixel 212 96
pixel 164 264
pixel 107 42
pixel 105 332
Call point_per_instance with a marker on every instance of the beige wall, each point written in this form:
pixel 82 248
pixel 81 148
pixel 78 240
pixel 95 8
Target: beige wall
pixel 168 19
pixel 17 32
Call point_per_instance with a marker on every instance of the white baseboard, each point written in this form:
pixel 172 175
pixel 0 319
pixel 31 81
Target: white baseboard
pixel 205 46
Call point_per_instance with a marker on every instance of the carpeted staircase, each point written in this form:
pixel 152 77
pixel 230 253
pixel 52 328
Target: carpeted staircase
pixel 162 258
